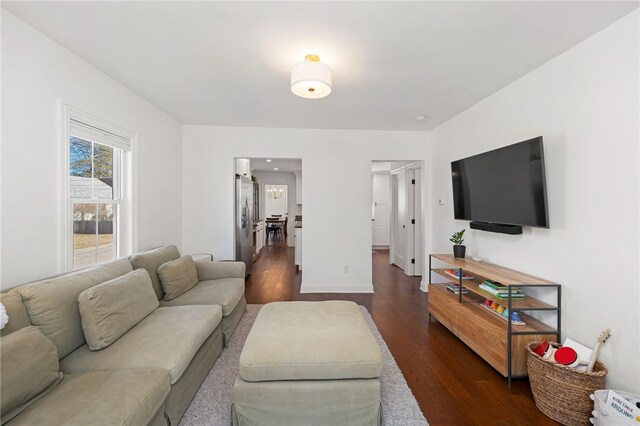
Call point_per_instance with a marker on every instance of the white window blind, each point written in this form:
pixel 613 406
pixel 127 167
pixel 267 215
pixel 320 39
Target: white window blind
pixel 91 133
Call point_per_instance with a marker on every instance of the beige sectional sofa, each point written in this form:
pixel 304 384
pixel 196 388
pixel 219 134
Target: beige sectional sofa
pixel 126 355
pixel 220 283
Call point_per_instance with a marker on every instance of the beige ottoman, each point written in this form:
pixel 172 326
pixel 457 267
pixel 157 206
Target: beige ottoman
pixel 309 363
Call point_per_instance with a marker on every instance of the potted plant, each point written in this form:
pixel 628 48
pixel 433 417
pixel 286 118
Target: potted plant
pixel 457 239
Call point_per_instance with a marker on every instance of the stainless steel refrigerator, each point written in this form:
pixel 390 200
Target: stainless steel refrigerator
pixel 244 221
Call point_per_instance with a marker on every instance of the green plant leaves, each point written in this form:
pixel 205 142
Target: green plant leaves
pixel 458 237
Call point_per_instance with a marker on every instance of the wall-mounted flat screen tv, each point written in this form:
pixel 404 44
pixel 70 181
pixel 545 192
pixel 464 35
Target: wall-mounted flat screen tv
pixel 503 186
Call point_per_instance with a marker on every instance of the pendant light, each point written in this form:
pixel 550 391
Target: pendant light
pixel 311 79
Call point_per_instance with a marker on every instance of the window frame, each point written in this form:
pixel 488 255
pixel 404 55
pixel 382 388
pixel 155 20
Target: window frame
pixel 126 181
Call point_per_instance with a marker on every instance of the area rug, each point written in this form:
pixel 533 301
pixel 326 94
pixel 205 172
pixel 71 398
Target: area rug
pixel 212 404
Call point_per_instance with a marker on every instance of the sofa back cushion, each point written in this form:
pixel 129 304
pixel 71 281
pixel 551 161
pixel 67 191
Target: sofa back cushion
pixel 112 308
pixel 151 260
pixel 29 369
pixel 52 304
pixel 15 311
pixel 178 276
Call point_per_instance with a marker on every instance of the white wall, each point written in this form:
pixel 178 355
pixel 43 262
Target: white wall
pixel 275 206
pixel 281 178
pixel 36 72
pixel 585 105
pixel 337 204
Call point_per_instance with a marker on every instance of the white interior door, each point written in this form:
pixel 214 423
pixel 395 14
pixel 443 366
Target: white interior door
pixel 400 206
pixel 381 209
pixel 414 223
pixel 418 231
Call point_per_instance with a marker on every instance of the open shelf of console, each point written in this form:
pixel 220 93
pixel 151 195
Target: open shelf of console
pixel 498 341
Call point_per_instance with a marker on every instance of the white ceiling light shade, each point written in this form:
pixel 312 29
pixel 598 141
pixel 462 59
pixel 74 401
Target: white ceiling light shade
pixel 311 79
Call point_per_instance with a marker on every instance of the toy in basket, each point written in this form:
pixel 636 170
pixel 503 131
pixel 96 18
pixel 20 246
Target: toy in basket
pixel 568 356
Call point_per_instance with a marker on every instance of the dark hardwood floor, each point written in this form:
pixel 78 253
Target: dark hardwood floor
pixel 452 384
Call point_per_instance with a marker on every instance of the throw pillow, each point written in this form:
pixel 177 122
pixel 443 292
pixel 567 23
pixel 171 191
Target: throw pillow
pixel 29 369
pixel 151 260
pixel 52 304
pixel 112 308
pixel 178 276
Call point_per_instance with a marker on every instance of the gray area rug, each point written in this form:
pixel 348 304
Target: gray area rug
pixel 212 404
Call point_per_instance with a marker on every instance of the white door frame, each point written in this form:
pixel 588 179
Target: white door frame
pixel 394 217
pixel 416 236
pixel 413 249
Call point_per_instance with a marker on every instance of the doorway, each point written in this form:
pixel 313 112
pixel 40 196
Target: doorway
pixel 381 220
pixel 277 194
pixel 397 213
pixel 276 213
pixel 399 218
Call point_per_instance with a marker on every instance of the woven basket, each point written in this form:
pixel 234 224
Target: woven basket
pixel 561 392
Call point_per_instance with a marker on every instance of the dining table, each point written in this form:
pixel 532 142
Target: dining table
pixel 279 222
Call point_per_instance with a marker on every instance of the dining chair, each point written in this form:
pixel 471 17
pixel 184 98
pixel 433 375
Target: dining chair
pixel 284 226
pixel 273 226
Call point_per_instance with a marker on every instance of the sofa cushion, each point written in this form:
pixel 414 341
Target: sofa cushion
pixel 168 339
pixel 16 311
pixel 212 270
pixel 151 260
pixel 310 341
pixel 224 292
pixel 112 308
pixel 177 276
pixel 29 369
pixel 52 304
pixel 125 397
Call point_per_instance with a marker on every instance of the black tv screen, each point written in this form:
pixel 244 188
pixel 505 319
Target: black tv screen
pixel 503 186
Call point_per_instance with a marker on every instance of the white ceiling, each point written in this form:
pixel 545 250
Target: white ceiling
pixel 286 165
pixel 228 63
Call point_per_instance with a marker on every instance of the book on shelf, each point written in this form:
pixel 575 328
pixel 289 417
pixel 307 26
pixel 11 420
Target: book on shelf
pixel 455 273
pixel 501 293
pixel 456 288
pixel 504 297
pixel 499 288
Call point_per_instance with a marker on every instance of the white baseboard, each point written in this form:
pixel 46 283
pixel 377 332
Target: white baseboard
pixel 424 286
pixel 336 288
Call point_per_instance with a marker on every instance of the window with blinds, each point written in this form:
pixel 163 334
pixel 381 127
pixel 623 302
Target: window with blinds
pixel 97 193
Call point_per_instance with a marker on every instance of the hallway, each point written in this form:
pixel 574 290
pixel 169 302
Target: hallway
pixel 452 384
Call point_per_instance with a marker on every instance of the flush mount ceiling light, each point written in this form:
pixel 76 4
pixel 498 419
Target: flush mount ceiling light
pixel 311 78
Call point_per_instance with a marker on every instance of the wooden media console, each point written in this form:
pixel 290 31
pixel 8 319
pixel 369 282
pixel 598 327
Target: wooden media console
pixel 499 341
